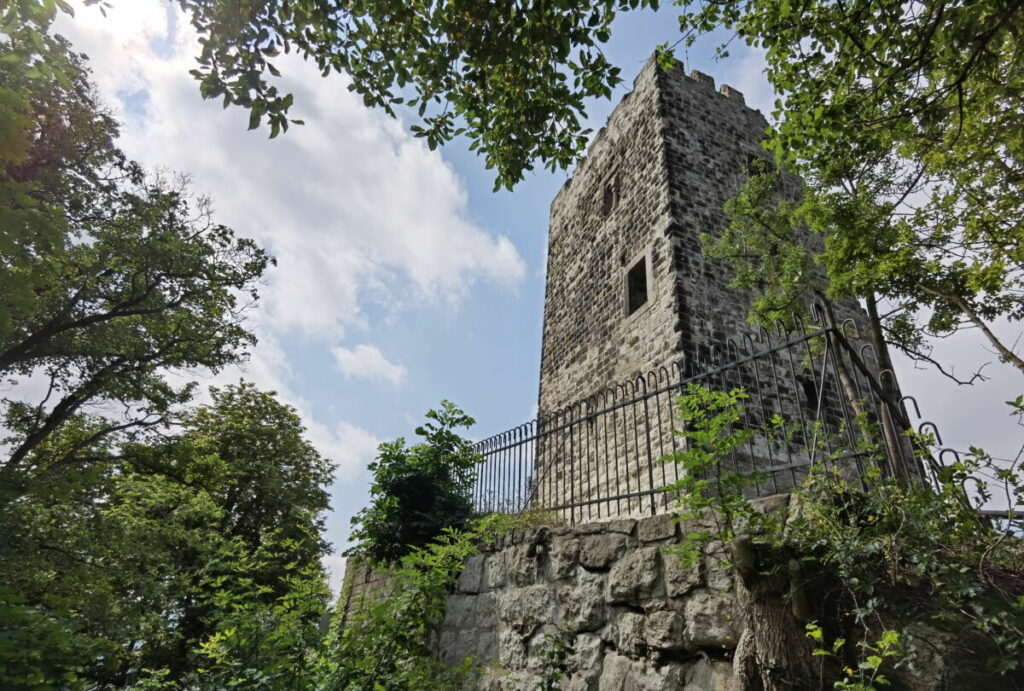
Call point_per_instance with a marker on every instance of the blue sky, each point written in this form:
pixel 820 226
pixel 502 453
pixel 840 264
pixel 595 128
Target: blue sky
pixel 402 278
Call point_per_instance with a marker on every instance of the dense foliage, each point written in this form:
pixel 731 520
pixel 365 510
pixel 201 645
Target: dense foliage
pixel 904 121
pixel 147 558
pixel 418 491
pixel 387 640
pixel 142 542
pixel 890 577
pixel 111 279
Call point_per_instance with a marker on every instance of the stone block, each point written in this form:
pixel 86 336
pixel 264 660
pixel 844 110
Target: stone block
pixel 564 555
pixel 628 634
pixel 679 579
pixel 776 503
pixel 718 573
pixel 622 674
pixel 622 525
pixel 587 651
pixel 471 578
pixel 495 571
pixel 526 609
pixel 487 645
pixel 709 620
pixel 665 630
pixel 599 551
pixel 732 93
pixel 583 605
pixel 660 527
pixel 708 675
pixel 590 528
pixel 521 569
pixel 459 612
pixel 635 577
pixel 511 650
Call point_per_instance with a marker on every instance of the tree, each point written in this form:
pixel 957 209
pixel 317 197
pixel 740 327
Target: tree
pixel 420 491
pixel 171 552
pixel 111 279
pixel 138 539
pixel 904 122
pixel 511 76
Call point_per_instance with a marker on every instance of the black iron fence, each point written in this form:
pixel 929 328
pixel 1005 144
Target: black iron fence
pixel 605 456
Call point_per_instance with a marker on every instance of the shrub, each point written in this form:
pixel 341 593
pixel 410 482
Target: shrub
pixel 419 491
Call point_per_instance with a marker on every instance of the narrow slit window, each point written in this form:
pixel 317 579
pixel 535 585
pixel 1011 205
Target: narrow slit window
pixel 608 200
pixel 636 287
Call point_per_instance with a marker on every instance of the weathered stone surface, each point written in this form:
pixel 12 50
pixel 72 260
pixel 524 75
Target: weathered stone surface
pixel 622 674
pixel 622 525
pixel 775 504
pixel 583 603
pixel 583 682
pixel 707 675
pixel 448 645
pixel 588 648
pixel 599 551
pixel 660 527
pixel 539 648
pixel 485 609
pixel 679 579
pixel 511 649
pixel 563 557
pixel 525 609
pixel 495 571
pixel 487 644
pixel 656 178
pixel 459 612
pixel 709 620
pixel 628 634
pixel 520 568
pixel 718 574
pixel 634 577
pixel 589 528
pixel 665 630
pixel 471 578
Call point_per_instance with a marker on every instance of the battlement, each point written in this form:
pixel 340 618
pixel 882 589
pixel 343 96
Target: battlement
pixel 650 77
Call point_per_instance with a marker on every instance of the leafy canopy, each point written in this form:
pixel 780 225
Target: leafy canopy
pixel 111 278
pixel 906 122
pixel 192 550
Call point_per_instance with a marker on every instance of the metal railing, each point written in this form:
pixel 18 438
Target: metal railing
pixel 604 456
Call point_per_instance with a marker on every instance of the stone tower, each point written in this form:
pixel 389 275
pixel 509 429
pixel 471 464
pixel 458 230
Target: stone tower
pixel 628 289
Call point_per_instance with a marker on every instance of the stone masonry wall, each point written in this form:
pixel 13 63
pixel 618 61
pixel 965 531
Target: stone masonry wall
pixel 633 616
pixel 589 342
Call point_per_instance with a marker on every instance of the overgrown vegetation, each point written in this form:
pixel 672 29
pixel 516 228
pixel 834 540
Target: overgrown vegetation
pixel 418 492
pixel 390 640
pixel 880 570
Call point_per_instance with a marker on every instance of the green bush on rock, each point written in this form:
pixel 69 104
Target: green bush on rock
pixel 418 491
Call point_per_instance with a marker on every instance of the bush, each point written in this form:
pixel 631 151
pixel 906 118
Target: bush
pixel 888 575
pixel 420 491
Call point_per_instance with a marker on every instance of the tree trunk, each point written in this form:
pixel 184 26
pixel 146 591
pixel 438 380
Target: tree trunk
pixel 895 421
pixel 773 653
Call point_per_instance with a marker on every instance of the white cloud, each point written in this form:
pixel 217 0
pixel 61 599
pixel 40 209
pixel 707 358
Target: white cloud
pixel 368 362
pixel 334 565
pixel 356 210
